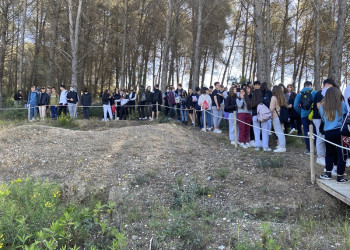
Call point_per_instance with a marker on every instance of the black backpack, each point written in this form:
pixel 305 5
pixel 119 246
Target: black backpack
pixel 230 105
pixel 283 115
pixel 306 99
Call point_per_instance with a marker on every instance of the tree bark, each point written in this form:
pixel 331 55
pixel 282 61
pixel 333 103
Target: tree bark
pixel 165 66
pixel 338 43
pixel 74 40
pixel 197 46
pixel 317 60
pixel 284 38
pixel 122 70
pixel 21 55
pixel 260 42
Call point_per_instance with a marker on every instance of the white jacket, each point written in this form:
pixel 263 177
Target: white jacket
pixel 202 98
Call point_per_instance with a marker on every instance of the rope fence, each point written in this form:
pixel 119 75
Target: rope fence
pixel 310 136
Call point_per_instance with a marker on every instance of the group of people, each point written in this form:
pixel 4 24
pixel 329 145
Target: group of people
pixel 40 98
pixel 258 111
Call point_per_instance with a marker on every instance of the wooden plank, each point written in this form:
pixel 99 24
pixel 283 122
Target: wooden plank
pixel 339 191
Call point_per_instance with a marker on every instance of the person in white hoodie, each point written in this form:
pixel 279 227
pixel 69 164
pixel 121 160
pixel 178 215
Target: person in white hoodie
pixel 205 103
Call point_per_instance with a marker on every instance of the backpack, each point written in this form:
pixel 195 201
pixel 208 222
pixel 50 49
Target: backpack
pixel 205 105
pixel 264 113
pixel 230 106
pixel 306 99
pixel 143 97
pixel 283 115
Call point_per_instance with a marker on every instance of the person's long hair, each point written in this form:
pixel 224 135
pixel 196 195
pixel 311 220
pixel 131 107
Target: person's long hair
pixel 332 103
pixel 231 92
pixel 278 93
pixel 264 87
pixel 256 99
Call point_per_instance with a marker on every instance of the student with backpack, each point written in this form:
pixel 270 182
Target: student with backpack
pixel 333 112
pixel 205 103
pixel 278 108
pixel 244 115
pixel 302 105
pixel 106 101
pixel 33 102
pixel 261 117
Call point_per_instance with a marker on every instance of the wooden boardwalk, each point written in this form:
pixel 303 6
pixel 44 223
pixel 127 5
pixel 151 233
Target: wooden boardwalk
pixel 339 191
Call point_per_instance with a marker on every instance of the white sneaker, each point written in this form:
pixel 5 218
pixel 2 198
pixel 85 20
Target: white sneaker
pixel 334 171
pixel 321 161
pixel 118 118
pixel 107 119
pixel 347 163
pixel 150 118
pixel 257 149
pixel 203 130
pixel 233 143
pixel 252 143
pixel 280 150
pixel 103 120
pixel 248 145
pixel 243 145
pixel 209 129
pixel 292 131
pixel 267 149
pixel 216 131
pixel 219 130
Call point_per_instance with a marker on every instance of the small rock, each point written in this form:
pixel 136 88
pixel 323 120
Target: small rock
pixel 221 247
pixel 135 237
pixel 241 182
pixel 209 178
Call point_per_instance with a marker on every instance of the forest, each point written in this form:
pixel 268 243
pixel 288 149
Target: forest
pixel 103 44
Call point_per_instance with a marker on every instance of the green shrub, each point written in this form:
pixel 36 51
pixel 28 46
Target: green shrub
pixel 271 161
pixel 64 121
pixel 96 111
pixel 33 216
pixel 222 172
pixel 11 115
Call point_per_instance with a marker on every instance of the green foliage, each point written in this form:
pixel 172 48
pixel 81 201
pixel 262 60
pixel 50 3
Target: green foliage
pixel 11 115
pixel 96 112
pixel 222 172
pixel 267 161
pixel 33 216
pixel 64 121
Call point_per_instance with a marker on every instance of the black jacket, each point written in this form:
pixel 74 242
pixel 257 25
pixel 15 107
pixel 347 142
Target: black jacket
pixel 44 99
pixel 157 96
pixel 86 100
pixel 149 96
pixel 230 104
pixel 72 95
pixel 18 97
pixel 106 99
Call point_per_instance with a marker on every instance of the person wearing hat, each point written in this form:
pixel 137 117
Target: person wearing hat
pixel 320 144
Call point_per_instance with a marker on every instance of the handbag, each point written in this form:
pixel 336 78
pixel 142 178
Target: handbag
pixel 345 129
pixel 321 129
pixel 283 115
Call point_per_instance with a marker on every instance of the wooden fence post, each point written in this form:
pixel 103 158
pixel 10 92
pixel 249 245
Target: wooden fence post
pixel 204 120
pixel 116 113
pixel 28 106
pixel 157 110
pixel 312 153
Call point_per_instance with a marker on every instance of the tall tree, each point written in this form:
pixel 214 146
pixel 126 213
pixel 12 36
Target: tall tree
pixel 21 56
pixel 338 43
pixel 197 45
pixel 317 59
pixel 74 29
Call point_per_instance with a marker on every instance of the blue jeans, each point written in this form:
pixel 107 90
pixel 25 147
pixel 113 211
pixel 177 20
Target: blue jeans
pixel 183 115
pixel 53 112
pixel 208 117
pixel 306 123
pixel 33 111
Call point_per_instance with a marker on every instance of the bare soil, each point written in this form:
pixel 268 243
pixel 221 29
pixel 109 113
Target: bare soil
pixel 138 165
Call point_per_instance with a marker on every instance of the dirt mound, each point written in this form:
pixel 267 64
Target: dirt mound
pixel 143 164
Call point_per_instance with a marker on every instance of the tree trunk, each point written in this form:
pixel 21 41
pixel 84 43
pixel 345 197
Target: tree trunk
pixel 197 46
pixel 317 59
pixel 267 44
pixel 74 41
pixel 295 61
pixel 284 38
pixel 260 42
pixel 245 43
pixel 165 63
pixel 122 70
pixel 338 43
pixel 21 55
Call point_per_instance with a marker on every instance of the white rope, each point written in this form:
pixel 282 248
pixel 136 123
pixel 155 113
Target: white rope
pixel 334 144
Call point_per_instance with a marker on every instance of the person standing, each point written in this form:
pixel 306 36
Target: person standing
pixel 141 97
pixel 132 100
pixel 302 105
pixel 148 102
pixel 244 115
pixel 63 101
pixel 278 101
pixel 73 101
pixel 106 102
pixel 86 101
pixel 18 99
pixel 54 102
pixel 205 103
pixel 333 112
pixel 32 102
pixel 216 108
pixel 171 103
pixel 44 100
pixel 157 102
pixel 231 107
pixel 197 108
